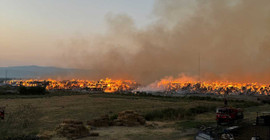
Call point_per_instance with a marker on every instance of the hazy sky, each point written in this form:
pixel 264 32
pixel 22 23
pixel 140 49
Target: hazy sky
pixel 31 30
pixel 143 40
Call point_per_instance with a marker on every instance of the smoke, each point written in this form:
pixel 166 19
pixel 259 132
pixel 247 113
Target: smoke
pixel 228 38
pixel 162 85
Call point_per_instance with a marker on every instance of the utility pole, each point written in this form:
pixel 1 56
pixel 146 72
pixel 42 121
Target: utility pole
pixel 6 75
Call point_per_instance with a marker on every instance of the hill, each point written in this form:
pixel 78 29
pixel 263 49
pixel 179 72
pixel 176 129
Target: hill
pixel 25 72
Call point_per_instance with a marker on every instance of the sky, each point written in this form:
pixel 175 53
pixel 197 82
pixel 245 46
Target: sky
pixel 143 40
pixel 31 30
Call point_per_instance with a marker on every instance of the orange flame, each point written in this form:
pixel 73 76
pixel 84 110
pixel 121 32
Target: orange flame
pixel 186 84
pixel 107 85
pixel 181 85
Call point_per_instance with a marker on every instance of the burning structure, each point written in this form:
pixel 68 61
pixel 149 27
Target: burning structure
pixel 164 85
pixel 185 84
pixel 106 85
pixel 208 87
pixel 229 38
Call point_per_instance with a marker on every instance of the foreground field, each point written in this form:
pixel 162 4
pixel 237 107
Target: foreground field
pixel 52 110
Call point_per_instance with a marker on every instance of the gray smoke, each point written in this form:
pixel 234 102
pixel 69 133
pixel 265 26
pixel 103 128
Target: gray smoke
pixel 232 38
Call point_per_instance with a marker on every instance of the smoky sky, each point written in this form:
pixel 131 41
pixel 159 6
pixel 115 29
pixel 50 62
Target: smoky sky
pixel 223 39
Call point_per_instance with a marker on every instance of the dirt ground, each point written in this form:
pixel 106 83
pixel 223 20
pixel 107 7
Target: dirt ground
pixel 84 107
pixel 164 131
pixel 53 110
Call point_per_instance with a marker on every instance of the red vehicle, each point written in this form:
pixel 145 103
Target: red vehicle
pixel 228 115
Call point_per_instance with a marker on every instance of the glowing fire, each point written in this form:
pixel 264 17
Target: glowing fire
pixel 190 85
pixel 167 85
pixel 106 85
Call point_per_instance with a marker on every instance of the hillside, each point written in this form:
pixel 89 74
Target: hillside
pixel 22 72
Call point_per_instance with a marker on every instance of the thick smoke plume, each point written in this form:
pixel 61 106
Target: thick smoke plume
pixel 230 39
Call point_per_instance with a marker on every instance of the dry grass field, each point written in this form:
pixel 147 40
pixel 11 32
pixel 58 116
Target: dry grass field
pixel 48 112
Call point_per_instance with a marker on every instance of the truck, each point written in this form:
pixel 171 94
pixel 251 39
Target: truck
pixel 228 115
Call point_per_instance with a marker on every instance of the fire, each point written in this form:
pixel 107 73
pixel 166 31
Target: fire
pixel 184 85
pixel 168 85
pixel 107 85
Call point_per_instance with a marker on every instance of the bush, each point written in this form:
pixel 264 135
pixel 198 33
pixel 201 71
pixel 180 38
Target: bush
pixel 167 114
pixel 201 109
pixel 207 98
pixel 113 117
pixel 17 124
pixel 177 113
pixel 265 101
pixel 38 90
pixel 191 124
pixel 246 104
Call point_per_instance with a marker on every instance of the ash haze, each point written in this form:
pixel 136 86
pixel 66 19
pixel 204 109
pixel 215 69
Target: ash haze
pixel 145 40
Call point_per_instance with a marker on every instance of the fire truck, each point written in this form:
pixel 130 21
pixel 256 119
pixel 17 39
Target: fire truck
pixel 228 115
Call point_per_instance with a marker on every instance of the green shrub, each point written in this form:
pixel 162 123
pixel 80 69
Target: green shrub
pixel 207 98
pixel 167 114
pixel 113 117
pixel 246 104
pixel 191 124
pixel 38 90
pixel 17 124
pixel 177 113
pixel 202 109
